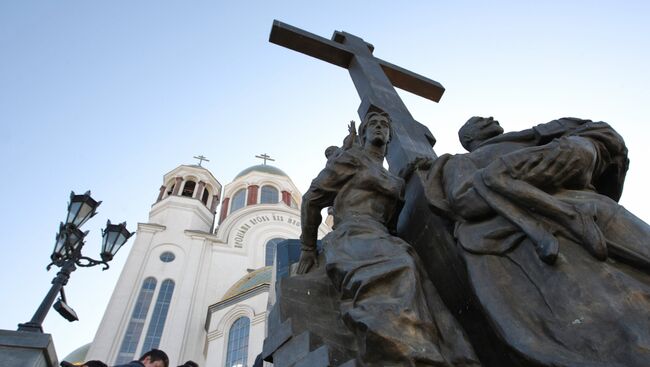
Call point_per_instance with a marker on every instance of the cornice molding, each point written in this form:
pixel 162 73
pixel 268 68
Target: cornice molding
pixel 265 287
pixel 150 227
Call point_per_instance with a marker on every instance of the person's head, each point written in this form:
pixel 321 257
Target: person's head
pixel 189 364
pixel 94 363
pixel 477 130
pixel 375 129
pixel 155 358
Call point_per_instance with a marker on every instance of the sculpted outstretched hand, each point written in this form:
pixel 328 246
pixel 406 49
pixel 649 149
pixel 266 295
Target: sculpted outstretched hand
pixel 307 261
pixel 352 129
pixel 419 163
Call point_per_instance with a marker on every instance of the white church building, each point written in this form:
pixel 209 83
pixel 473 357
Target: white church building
pixel 196 284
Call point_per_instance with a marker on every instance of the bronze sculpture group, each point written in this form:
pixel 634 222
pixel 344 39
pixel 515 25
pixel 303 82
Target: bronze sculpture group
pixel 558 267
pixel 516 253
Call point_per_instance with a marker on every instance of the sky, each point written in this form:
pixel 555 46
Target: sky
pixel 109 96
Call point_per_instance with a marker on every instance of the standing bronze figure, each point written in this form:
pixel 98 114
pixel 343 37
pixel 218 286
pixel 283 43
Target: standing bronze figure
pixel 385 297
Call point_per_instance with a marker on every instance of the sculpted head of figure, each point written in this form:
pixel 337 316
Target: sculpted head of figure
pixel 477 130
pixel 330 151
pixel 375 129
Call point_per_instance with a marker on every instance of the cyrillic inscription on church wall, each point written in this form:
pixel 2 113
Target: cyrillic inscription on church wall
pixel 263 218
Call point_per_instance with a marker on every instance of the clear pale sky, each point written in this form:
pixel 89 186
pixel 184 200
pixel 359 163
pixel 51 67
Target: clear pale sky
pixel 110 95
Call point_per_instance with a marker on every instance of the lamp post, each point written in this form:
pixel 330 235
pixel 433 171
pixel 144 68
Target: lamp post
pixel 67 255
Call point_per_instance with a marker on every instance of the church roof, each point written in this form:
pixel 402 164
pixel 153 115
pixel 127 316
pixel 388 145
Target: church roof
pixel 264 168
pixel 250 281
pixel 78 356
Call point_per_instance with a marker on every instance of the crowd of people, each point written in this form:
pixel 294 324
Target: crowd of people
pixel 152 358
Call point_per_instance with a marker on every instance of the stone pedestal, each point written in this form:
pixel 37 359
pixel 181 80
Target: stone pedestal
pixel 27 349
pixel 305 327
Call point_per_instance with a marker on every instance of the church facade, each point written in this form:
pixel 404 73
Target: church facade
pixel 198 282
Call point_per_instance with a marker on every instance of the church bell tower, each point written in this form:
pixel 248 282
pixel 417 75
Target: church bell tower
pixel 164 280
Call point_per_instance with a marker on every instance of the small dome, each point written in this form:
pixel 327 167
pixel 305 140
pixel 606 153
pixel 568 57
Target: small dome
pixel 78 356
pixel 264 168
pixel 250 281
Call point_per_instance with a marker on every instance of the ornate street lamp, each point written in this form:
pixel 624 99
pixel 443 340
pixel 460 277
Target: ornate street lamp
pixel 114 236
pixel 67 255
pixel 81 208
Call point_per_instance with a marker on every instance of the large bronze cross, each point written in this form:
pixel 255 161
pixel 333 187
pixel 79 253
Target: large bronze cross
pixel 374 80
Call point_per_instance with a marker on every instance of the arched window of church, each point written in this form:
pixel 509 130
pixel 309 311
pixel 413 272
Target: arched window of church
pixel 238 200
pixel 237 354
pixel 205 196
pixel 269 253
pixel 157 323
pixel 188 189
pixel 136 323
pixel 269 195
pixel 170 189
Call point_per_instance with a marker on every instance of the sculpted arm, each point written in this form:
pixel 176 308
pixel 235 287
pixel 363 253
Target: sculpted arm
pixel 314 200
pixel 540 134
pixel 321 194
pixel 556 128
